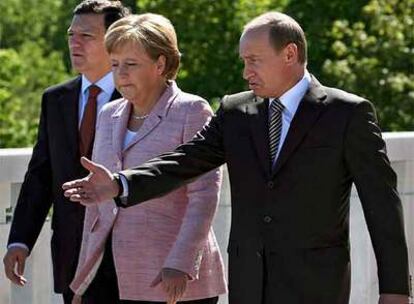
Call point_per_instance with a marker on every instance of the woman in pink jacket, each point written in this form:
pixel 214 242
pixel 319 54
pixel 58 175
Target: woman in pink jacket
pixel 157 251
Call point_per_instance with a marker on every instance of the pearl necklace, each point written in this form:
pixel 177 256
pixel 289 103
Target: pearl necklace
pixel 139 117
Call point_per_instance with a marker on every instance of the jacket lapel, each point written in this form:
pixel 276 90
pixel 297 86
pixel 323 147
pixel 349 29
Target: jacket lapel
pixel 69 100
pixel 258 114
pixel 119 126
pixel 307 114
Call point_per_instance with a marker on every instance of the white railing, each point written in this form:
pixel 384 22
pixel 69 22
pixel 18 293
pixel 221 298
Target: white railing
pixel 13 164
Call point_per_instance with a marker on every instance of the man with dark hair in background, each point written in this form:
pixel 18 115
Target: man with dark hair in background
pixel 66 132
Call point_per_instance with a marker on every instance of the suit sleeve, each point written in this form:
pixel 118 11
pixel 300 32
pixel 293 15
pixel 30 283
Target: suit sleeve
pixel 35 196
pixel 203 196
pixel 376 183
pixel 174 169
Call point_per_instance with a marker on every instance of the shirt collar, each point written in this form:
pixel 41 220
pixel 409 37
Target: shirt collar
pixel 106 83
pixel 291 98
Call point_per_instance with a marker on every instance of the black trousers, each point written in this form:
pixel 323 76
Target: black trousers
pixel 104 287
pixel 67 297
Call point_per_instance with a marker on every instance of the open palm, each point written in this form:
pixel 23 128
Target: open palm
pixel 99 186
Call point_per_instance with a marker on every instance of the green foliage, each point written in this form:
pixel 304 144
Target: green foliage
pixel 316 18
pixel 24 74
pixel 362 46
pixel 374 57
pixel 208 34
pixel 32 20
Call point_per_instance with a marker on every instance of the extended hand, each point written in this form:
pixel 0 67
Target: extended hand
pixel 99 186
pixel 14 262
pixel 174 283
pixel 393 299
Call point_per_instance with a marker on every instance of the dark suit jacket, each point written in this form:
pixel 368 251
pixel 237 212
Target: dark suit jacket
pixel 55 160
pixel 289 240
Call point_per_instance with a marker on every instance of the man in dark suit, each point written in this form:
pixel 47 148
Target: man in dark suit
pixel 66 132
pixel 293 149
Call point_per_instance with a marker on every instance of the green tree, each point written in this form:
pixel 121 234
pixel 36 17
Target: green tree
pixel 208 34
pixel 316 19
pixel 374 57
pixel 24 74
pixel 362 46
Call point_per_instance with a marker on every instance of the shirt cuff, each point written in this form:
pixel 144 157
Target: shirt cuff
pixel 124 182
pixel 20 245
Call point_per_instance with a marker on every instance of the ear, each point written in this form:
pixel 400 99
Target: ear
pixel 161 63
pixel 291 53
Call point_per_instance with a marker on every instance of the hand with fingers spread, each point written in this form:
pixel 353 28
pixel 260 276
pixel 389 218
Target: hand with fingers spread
pixel 99 186
pixel 14 262
pixel 173 282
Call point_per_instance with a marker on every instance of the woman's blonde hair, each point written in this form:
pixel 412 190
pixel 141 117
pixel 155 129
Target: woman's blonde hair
pixel 153 32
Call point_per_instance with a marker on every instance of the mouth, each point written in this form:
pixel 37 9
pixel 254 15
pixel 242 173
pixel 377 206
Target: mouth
pixel 253 85
pixel 76 55
pixel 123 86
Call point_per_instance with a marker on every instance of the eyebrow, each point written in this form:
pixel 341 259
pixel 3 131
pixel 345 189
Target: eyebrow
pixel 84 30
pixel 249 56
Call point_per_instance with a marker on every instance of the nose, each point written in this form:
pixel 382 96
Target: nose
pixel 247 72
pixel 123 69
pixel 74 41
pixel 120 71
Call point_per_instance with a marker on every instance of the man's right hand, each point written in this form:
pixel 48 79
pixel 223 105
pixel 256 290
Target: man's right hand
pixel 14 262
pixel 99 186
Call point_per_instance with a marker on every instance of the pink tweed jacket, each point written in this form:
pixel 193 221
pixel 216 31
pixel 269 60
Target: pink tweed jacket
pixel 172 231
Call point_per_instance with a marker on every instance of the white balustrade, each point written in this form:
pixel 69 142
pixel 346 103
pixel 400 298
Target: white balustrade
pixel 13 164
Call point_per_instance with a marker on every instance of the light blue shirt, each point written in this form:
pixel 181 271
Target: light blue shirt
pixel 107 86
pixel 291 100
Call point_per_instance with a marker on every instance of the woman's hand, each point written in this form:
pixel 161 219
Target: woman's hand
pixel 174 283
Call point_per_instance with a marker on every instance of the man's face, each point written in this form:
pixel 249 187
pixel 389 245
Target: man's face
pixel 86 45
pixel 264 67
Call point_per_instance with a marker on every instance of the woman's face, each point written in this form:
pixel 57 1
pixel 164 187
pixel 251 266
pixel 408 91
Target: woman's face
pixel 136 75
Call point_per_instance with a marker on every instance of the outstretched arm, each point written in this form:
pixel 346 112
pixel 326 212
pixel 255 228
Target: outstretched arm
pixel 157 176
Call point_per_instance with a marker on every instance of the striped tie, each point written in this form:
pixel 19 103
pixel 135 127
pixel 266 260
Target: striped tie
pixel 275 128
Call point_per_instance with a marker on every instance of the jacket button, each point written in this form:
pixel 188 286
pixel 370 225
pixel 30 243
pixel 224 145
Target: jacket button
pixel 259 254
pixel 267 219
pixel 270 184
pixel 115 211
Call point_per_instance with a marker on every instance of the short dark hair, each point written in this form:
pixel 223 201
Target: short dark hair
pixel 112 10
pixel 283 30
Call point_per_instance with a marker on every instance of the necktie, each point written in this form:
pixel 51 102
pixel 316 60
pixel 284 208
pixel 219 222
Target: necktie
pixel 275 128
pixel 87 128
